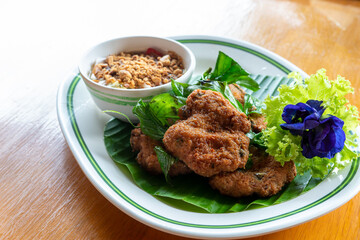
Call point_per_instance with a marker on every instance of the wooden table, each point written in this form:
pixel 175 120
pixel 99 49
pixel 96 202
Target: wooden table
pixel 43 192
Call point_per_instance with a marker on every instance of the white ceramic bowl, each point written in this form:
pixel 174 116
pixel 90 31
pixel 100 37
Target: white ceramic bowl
pixel 123 100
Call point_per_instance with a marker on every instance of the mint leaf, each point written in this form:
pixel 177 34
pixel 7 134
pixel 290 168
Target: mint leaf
pixel 165 107
pixel 228 70
pixel 158 115
pixel 165 160
pixel 252 105
pixel 150 125
pixel 256 139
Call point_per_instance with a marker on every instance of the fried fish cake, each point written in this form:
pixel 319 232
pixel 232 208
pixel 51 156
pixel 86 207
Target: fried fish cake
pixel 257 122
pixel 238 92
pixel 147 157
pixel 266 177
pixel 212 137
pixel 222 115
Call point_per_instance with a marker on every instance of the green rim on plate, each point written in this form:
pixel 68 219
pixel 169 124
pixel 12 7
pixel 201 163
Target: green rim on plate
pixel 71 114
pixel 118 100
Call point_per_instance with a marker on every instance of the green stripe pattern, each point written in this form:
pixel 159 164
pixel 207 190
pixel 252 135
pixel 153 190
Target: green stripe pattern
pixel 114 99
pixel 242 48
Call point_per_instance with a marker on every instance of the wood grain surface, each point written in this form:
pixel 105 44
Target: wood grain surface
pixel 43 192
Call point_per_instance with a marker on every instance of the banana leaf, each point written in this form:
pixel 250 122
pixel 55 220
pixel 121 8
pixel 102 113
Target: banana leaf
pixel 192 192
pixel 189 192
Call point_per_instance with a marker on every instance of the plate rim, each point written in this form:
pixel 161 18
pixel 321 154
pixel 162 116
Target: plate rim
pixel 146 220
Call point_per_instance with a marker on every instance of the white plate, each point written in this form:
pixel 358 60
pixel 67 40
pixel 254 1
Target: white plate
pixel 82 125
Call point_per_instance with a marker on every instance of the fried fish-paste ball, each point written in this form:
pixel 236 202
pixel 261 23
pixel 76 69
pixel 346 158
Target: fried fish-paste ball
pixel 257 122
pixel 206 152
pixel 212 138
pixel 265 178
pixel 147 157
pixel 238 92
pixel 220 113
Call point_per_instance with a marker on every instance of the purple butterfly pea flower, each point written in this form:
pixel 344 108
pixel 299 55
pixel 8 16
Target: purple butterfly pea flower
pixel 322 137
pixel 302 116
pixel 325 140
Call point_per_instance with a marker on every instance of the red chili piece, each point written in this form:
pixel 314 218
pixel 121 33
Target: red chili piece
pixel 151 51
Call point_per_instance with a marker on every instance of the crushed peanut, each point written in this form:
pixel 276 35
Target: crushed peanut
pixel 138 70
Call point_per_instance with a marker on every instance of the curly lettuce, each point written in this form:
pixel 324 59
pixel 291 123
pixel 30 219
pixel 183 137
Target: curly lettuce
pixel 284 146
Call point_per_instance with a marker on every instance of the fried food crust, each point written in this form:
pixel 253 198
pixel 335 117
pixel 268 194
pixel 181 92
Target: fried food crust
pixel 257 122
pixel 147 157
pixel 238 92
pixel 212 138
pixel 222 115
pixel 265 178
